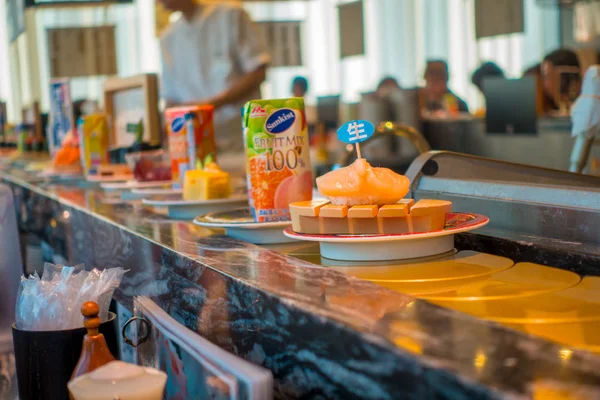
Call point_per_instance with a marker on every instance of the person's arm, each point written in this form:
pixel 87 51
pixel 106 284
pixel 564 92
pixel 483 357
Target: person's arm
pixel 240 88
pixel 251 57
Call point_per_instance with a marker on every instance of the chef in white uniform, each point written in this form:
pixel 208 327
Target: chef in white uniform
pixel 214 55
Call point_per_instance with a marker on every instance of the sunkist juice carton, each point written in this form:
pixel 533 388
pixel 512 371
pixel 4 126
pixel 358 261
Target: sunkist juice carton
pixel 180 139
pixel 278 169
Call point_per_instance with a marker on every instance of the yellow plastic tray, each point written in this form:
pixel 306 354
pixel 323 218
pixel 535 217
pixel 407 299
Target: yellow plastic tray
pixel 433 275
pixel 579 303
pixel 524 279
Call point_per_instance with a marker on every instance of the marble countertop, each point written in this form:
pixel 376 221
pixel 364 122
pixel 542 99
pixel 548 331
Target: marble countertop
pixel 322 333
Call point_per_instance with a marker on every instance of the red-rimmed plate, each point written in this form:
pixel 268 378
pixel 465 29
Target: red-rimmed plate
pixel 393 247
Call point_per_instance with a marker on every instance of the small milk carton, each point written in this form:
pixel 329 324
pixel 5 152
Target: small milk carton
pixel 278 170
pixel 183 143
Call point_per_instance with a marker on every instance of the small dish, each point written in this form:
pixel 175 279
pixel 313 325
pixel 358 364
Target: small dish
pixel 149 166
pixel 130 185
pixel 177 208
pixel 157 192
pixel 239 224
pixel 109 178
pixel 393 247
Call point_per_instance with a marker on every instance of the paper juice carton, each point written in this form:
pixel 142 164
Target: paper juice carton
pixel 93 142
pixel 278 170
pixel 191 137
pixel 60 115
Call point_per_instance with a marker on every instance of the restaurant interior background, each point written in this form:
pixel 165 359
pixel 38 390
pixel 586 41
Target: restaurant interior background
pixel 399 36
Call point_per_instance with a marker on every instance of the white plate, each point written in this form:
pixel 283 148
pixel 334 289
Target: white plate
pixel 393 247
pixel 239 224
pixel 156 192
pixel 129 185
pixel 181 209
pixel 109 178
pixel 139 194
pixel 52 173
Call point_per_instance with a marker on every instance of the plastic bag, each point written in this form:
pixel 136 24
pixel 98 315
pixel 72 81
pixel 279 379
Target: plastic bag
pixel 53 301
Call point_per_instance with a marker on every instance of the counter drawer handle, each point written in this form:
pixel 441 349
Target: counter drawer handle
pixel 143 338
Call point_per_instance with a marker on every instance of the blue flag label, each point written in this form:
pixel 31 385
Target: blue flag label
pixel 356 131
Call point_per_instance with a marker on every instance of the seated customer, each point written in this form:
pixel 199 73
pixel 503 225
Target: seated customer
pixel 486 70
pixel 387 86
pixel 554 87
pixel 299 86
pixel 436 89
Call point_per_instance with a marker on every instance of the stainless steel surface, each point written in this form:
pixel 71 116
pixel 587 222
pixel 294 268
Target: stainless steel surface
pixel 518 198
pixel 550 147
pixel 467 167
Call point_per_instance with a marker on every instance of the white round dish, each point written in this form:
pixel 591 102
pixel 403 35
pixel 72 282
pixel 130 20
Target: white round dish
pixel 182 209
pixel 239 224
pixel 393 247
pixel 157 192
pixel 139 194
pixel 65 174
pixel 109 179
pixel 129 185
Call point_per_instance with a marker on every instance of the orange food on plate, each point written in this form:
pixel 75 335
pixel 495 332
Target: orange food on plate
pixel 67 156
pixel 362 184
pixel 264 183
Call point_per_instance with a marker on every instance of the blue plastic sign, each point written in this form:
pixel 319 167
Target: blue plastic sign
pixel 355 131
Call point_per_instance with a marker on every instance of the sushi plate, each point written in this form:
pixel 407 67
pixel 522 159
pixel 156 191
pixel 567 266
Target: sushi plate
pixel 66 173
pixel 133 184
pixel 157 192
pixel 110 178
pixel 393 247
pixel 177 208
pixel 139 194
pixel 239 224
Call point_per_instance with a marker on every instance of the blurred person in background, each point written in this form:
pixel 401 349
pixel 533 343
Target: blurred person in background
pixel 486 70
pixel 436 91
pixel 213 55
pixel 534 70
pixel 299 86
pixel 387 86
pixel 554 87
pixel 547 102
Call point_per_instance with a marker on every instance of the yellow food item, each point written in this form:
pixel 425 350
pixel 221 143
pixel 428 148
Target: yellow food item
pixel 361 184
pixel 207 184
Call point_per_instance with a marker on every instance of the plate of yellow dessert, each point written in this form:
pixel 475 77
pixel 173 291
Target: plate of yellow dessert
pixel 239 224
pixel 205 189
pixel 365 217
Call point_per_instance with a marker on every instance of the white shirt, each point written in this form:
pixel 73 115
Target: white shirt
pixel 204 56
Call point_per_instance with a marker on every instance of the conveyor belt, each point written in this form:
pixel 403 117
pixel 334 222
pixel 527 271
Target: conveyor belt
pixel 529 208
